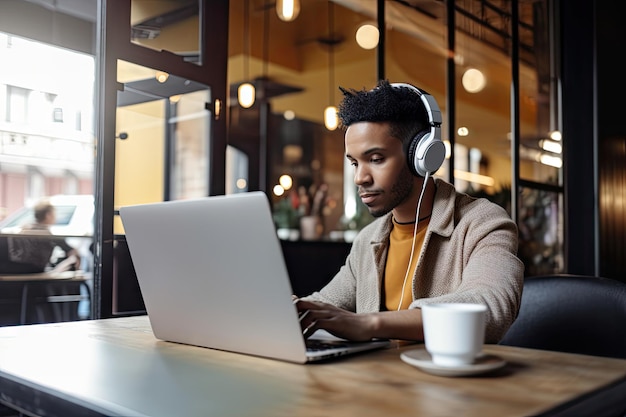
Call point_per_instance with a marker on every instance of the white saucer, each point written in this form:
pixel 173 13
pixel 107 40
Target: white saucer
pixel 421 359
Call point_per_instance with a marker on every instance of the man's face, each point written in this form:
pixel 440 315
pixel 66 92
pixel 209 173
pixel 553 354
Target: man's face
pixel 381 173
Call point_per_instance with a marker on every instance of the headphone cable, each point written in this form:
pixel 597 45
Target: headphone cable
pixel 417 220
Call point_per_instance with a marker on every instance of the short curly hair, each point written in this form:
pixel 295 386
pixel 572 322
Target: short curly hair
pixel 400 106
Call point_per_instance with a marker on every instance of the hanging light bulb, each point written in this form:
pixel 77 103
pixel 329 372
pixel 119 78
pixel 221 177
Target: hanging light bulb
pixel 246 92
pixel 246 95
pixel 473 80
pixel 367 36
pixel 285 181
pixel 287 10
pixel 331 120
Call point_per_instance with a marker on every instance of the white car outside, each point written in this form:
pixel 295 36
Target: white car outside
pixel 74 219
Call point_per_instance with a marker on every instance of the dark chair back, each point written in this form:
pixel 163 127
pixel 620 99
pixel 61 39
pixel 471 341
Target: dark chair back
pixel 572 313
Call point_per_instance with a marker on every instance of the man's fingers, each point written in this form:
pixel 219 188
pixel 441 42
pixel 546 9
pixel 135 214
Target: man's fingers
pixel 309 305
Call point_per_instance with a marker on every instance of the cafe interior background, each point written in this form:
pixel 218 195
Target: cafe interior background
pixel 174 133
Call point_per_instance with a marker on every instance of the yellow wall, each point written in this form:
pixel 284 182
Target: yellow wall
pixel 139 166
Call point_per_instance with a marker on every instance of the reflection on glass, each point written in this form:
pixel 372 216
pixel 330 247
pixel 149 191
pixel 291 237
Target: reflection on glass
pixel 168 25
pixel 189 125
pixel 164 141
pixel 236 171
pixel 540 148
pixel 540 231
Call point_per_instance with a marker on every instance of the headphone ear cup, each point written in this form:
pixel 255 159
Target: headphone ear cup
pixel 425 153
pixel 412 152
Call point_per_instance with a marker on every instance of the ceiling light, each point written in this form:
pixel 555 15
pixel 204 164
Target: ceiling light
pixel 331 120
pixel 246 95
pixel 287 10
pixel 473 80
pixel 367 36
pixel 554 161
pixel 161 76
pixel 292 154
pixel 463 131
pixel 285 181
pixel 278 190
pixel 242 183
pixel 550 146
pixel 475 178
pixel 246 92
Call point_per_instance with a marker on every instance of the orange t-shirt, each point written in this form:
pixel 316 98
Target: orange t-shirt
pixel 400 243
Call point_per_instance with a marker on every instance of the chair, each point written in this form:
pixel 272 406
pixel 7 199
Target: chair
pixel 55 301
pixel 571 313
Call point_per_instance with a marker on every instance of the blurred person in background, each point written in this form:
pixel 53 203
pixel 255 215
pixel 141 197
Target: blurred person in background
pixel 26 255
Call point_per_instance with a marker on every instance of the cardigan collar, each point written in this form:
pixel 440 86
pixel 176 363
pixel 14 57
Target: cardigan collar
pixel 441 220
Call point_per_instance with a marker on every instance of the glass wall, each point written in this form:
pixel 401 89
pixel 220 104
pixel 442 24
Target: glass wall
pixel 540 218
pixel 321 49
pixel 163 137
pixel 162 130
pixel 47 124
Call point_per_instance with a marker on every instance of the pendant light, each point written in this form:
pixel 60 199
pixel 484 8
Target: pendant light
pixel 473 80
pixel 331 120
pixel 367 36
pixel 246 92
pixel 246 95
pixel 287 10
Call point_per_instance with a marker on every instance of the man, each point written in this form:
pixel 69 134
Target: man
pixel 32 254
pixel 462 249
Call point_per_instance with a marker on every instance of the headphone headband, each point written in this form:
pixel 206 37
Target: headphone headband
pixel 426 152
pixel 429 102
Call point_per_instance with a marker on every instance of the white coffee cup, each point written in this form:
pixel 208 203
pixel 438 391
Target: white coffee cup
pixel 454 333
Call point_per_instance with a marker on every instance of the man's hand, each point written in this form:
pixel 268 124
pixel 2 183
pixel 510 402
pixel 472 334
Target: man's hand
pixel 403 324
pixel 339 322
pixel 76 255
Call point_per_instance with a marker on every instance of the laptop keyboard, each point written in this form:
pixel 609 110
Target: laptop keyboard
pixel 314 345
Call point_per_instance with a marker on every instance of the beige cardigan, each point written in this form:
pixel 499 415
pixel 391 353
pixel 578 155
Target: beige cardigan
pixel 469 255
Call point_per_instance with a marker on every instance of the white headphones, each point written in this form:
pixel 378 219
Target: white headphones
pixel 426 152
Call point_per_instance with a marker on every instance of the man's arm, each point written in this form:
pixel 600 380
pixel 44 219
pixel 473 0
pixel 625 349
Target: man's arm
pixel 404 324
pixel 69 251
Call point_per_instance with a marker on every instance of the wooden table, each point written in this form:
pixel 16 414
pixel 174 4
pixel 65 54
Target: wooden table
pixel 44 276
pixel 116 367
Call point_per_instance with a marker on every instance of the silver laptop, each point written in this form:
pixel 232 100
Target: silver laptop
pixel 212 274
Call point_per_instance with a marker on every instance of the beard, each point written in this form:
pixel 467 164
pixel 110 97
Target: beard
pixel 399 192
